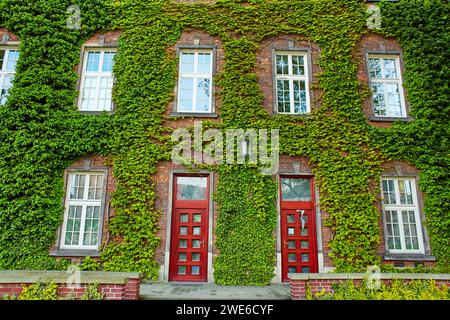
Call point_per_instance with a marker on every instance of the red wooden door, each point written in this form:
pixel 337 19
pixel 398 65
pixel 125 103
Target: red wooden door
pixel 189 230
pixel 298 226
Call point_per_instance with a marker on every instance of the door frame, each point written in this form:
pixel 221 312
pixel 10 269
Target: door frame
pixel 164 271
pixel 318 217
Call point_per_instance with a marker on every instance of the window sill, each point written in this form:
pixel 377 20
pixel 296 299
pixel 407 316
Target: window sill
pixel 193 115
pixel 95 112
pixel 74 253
pixel 305 116
pixel 389 119
pixel 408 257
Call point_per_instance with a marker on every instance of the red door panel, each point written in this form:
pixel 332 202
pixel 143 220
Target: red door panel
pixel 298 227
pixel 189 234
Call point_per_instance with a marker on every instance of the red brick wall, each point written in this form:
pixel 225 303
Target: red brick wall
pixel 298 287
pixel 12 36
pixel 128 291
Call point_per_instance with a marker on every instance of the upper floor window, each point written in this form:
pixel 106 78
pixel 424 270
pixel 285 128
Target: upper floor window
pixel 83 213
pixel 386 84
pixel 8 61
pixel 291 78
pixel 401 211
pixel 97 81
pixel 195 81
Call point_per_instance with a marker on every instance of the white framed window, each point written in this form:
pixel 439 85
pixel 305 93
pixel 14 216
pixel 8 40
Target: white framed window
pixel 83 211
pixel 291 81
pixel 8 62
pixel 402 218
pixel 97 80
pixel 195 81
pixel 386 85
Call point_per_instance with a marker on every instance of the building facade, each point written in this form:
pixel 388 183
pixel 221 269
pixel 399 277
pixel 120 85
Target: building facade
pixel 288 70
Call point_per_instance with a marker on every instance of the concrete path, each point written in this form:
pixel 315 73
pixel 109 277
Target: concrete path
pixel 170 291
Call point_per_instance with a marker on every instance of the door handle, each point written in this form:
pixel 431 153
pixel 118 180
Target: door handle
pixel 302 219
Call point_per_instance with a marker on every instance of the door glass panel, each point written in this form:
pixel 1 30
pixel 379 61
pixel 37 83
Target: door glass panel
pixel 304 232
pixel 305 257
pixel 304 244
pixel 191 188
pixel 305 269
pixel 183 231
pixel 293 189
pixel 195 270
pixel 197 217
pixel 291 244
pixel 292 269
pixel 184 217
pixel 196 256
pixel 291 231
pixel 196 231
pixel 195 243
pixel 291 218
pixel 292 257
pixel 183 244
pixel 182 270
pixel 182 256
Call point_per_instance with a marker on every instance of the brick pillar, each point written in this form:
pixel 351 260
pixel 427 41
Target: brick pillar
pixel 298 289
pixel 132 289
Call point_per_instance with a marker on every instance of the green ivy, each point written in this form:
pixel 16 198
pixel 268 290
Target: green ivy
pixel 42 133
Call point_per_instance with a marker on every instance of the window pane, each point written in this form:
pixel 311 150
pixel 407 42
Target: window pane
pixel 389 192
pixel 13 56
pixel 378 99
pixel 182 256
pixel 292 269
pixel 293 189
pixel 305 257
pixel 73 225
pixel 196 244
pixel 93 61
pixel 77 190
pixel 191 188
pixel 91 226
pixel 390 71
pixel 105 94
pixel 181 270
pixel 203 95
pixel 196 231
pixel 204 63
pixel 108 61
pixel 95 187
pixel 183 231
pixel 292 257
pixel 186 94
pixel 283 96
pixel 291 231
pixel 291 244
pixel 290 218
pixel 6 85
pixel 393 97
pixel 196 256
pixel 184 217
pixel 89 94
pixel 299 88
pixel 282 64
pixel 187 62
pixel 298 66
pixel 195 271
pixel 375 68
pixel 405 192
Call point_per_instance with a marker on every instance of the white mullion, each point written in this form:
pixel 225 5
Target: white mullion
pixel 291 96
pixel 82 223
pixel 99 80
pixel 195 82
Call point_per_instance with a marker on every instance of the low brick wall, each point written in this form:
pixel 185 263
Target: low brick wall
pixel 319 281
pixel 114 285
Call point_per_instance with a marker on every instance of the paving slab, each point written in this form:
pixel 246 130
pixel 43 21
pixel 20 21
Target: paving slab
pixel 172 291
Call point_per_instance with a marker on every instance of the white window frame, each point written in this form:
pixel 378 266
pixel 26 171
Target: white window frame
pixel 195 76
pixel 83 203
pixel 3 72
pixel 99 74
pixel 385 81
pixel 291 78
pixel 405 207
